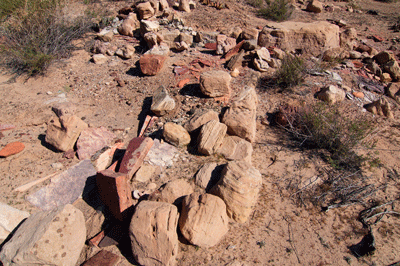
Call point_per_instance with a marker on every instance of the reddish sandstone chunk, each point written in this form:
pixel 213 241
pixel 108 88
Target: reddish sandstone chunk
pixel 11 149
pixel 151 64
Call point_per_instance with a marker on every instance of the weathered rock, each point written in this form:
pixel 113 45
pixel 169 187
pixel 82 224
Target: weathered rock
pixel 105 35
pixel 187 38
pixel 307 37
pixel 99 47
pixel 129 25
pixel 211 137
pixel 102 159
pixel 91 140
pixel 385 77
pixel 240 118
pixel 380 107
pixel 335 54
pixel 148 26
pixel 12 148
pixel 65 108
pixel 224 44
pixel 204 175
pixel 170 37
pixel 250 45
pixel 176 134
pixel 103 258
pixel 235 148
pixel 278 53
pixel 134 155
pixel 151 64
pixel 181 46
pixel 152 39
pixel 355 55
pixel 203 221
pixel 153 233
pixel 200 118
pixel 262 59
pixel 249 34
pixel 184 5
pixel 235 32
pixel 331 94
pixel 47 238
pixel 63 132
pixel 9 219
pixel 393 91
pixel 162 103
pixel 99 59
pixel 126 52
pixel 173 192
pixel 393 68
pixel 161 50
pixel 348 39
pixel 236 61
pixel 64 188
pixel 162 154
pixel 315 6
pixel 145 173
pixel 215 83
pixel 114 192
pixel 384 57
pixel 145 10
pixel 238 187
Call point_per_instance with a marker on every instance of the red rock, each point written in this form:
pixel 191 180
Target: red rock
pixel 103 258
pixel 358 64
pixel 4 127
pixel 378 38
pixel 114 192
pixel 134 155
pixel 182 83
pixel 151 64
pixel 358 94
pixel 234 50
pixel 11 149
pixel 94 241
pixel 211 46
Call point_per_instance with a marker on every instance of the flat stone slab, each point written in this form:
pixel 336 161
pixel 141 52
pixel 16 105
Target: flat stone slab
pixel 64 188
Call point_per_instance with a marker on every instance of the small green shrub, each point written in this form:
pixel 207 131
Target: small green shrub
pixel 36 34
pixel 278 10
pixel 291 72
pixel 7 7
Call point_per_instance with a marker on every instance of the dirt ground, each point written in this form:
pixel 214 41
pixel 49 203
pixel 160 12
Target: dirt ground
pixel 281 230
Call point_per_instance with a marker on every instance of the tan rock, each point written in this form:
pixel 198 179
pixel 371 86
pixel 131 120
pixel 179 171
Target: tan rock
pixel 308 37
pixel 335 54
pixel 348 39
pixel 224 44
pixel 380 107
pixel 236 61
pixel 393 91
pixel 200 118
pixel 238 187
pixel 63 132
pixel 211 137
pixel 152 39
pixel 162 103
pixel 153 233
pixel 315 6
pixel 10 218
pixel 102 159
pixel 204 175
pixel 235 148
pixel 250 34
pixel 176 134
pixel 126 52
pixel 148 26
pixel 173 192
pixel 184 5
pixel 262 59
pixel 215 83
pixel 331 94
pixel 393 68
pixel 99 59
pixel 145 173
pixel 240 118
pixel 129 25
pixel 385 77
pixel 151 64
pixel 47 238
pixel 145 10
pixel 187 38
pixel 203 221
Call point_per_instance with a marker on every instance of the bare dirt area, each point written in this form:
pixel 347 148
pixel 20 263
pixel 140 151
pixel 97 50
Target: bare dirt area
pixel 287 225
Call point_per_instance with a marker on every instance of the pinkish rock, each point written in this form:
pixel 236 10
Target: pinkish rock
pixel 103 258
pixel 91 140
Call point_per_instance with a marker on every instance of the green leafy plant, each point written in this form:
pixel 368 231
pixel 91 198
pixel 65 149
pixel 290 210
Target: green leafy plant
pixel 291 72
pixel 278 10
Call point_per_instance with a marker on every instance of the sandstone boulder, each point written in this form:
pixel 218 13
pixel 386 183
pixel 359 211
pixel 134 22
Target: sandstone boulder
pixel 380 107
pixel 126 52
pixel 129 25
pixel 235 148
pixel 200 118
pixel 215 83
pixel 63 132
pixel 331 94
pixel 99 59
pixel 184 5
pixel 211 136
pixel 203 221
pixel 309 37
pixel 204 175
pixel 315 6
pixel 224 44
pixel 240 118
pixel 238 187
pixel 47 238
pixel 162 103
pixel 145 10
pixel 172 192
pixel 176 134
pixel 153 233
pixel 262 59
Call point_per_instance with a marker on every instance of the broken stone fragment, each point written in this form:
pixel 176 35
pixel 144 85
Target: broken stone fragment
pixel 162 103
pixel 331 94
pixel 262 59
pixel 224 44
pixel 151 64
pixel 240 118
pixel 200 118
pixel 126 52
pixel 63 132
pixel 9 219
pixel 176 134
pixel 145 10
pixel 238 187
pixel 203 221
pixel 211 137
pixel 184 5
pixel 146 172
pixel 47 238
pixel 392 90
pixel 384 57
pixel 103 258
pixel 392 67
pixel 154 239
pixel 129 25
pixel 173 192
pixel 105 35
pixel 215 83
pixel 148 26
pixel 380 107
pixel 91 140
pixel 249 34
pixel 99 59
pixel 235 148
pixel 315 6
pixel 204 175
pixel 152 39
pixel 66 108
pixel 236 61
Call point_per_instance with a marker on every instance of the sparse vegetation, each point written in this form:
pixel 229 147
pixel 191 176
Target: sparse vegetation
pixel 291 72
pixel 255 3
pixel 278 10
pixel 36 33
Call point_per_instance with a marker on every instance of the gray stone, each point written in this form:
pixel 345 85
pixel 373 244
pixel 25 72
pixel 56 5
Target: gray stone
pixel 64 188
pixel 162 154
pixel 162 103
pixel 47 238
